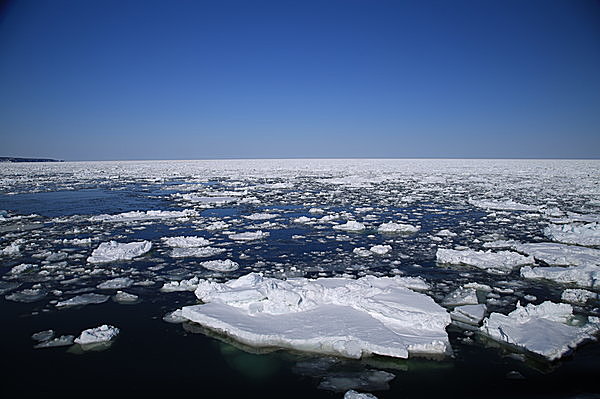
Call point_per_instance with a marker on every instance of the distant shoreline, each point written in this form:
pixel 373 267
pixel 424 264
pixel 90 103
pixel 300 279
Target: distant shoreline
pixel 17 159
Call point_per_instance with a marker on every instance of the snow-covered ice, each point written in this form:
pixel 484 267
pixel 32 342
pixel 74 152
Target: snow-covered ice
pixel 135 216
pixel 578 296
pixel 545 329
pixel 393 227
pixel 351 225
pixel 196 252
pixel 340 316
pixel 226 265
pixel 116 283
pixel 586 234
pixel 556 254
pixel 581 276
pixel 186 241
pixel 469 314
pixel 104 333
pixel 83 299
pixel 113 251
pixel 249 235
pixel 496 262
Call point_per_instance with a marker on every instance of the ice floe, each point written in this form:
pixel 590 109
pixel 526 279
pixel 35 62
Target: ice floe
pixel 185 241
pixel 249 235
pixel 555 254
pixel 63 340
pixel 546 329
pixel 586 234
pixel 380 249
pixel 113 251
pixel 469 314
pixel 135 216
pixel 582 276
pixel 201 252
pixel 340 316
pixel 505 205
pixel 226 265
pixel 83 299
pixel 392 227
pixel 351 225
pixel 352 394
pixel 182 285
pixel 96 335
pixel 116 283
pixel 495 262
pixel 578 296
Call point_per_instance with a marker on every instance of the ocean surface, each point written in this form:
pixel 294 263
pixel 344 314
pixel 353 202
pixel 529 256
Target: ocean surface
pixel 54 216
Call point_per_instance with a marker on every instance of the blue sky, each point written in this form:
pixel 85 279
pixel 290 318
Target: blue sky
pixel 183 79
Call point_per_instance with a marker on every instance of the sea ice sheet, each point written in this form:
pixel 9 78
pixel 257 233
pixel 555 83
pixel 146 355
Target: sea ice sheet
pixel 340 316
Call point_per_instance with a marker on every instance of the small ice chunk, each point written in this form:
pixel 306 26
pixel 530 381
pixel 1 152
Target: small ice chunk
pixel 249 235
pixel 361 251
pixel 174 317
pixel 392 227
pixel 104 333
pixel 469 314
pixel 114 251
pixel 303 220
pixel 544 329
pixel 202 252
pixel 23 268
pixel 578 296
pixel 495 262
pixel 261 216
pixel 83 299
pixel 186 241
pixel 226 265
pixel 124 297
pixel 43 335
pixel 116 283
pixel 350 225
pixel 445 233
pixel 461 296
pixel 63 340
pixel 381 249
pixel 218 225
pixel 28 295
pixel 183 285
pixel 352 394
pixel 13 249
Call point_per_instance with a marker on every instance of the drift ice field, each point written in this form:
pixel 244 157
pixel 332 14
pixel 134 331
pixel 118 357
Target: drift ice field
pixel 303 278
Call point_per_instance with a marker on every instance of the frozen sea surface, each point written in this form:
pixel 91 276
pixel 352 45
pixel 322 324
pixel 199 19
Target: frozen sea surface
pixel 485 241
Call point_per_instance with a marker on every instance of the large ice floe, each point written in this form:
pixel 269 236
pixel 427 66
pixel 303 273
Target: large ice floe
pixel 338 316
pixel 114 251
pixel 494 262
pixel 555 254
pixel 586 234
pixel 548 329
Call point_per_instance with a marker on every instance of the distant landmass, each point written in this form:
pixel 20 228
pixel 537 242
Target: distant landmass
pixel 17 159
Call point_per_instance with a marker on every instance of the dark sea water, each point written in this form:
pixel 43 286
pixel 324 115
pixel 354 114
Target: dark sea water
pixel 151 357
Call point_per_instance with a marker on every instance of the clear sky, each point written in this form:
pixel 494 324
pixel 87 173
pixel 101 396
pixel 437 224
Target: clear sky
pixel 103 79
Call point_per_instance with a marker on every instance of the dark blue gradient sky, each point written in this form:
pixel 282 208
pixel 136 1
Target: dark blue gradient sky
pixel 251 79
